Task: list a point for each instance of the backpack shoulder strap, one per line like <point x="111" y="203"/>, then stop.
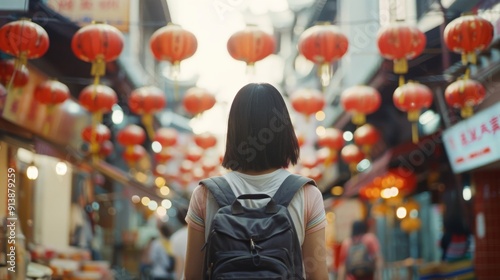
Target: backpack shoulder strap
<point x="289" y="187"/>
<point x="220" y="189"/>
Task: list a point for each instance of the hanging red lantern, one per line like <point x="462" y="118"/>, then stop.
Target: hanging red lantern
<point x="174" y="44"/>
<point x="250" y="45"/>
<point x="307" y="101"/>
<point x="100" y="133"/>
<point x="300" y="138"/>
<point x="96" y="135"/>
<point x="131" y="135"/>
<point x="323" y="44"/>
<point x="98" y="99"/>
<point x="51" y="92"/>
<point x="163" y="156"/>
<point x="309" y="160"/>
<point x="12" y="77"/>
<point x="352" y="155"/>
<point x="325" y="156"/>
<point x="468" y="35"/>
<point x="360" y="100"/>
<point x="166" y="136"/>
<point x="333" y="140"/>
<point x="105" y="149"/>
<point x="145" y="101"/>
<point x="366" y="136"/>
<point x="23" y="39"/>
<point x="465" y="94"/>
<point x="97" y="43"/>
<point x="205" y="140"/>
<point x="197" y="100"/>
<point x="412" y="98"/>
<point x="400" y="42"/>
<point x="134" y="154"/>
<point x="194" y="153"/>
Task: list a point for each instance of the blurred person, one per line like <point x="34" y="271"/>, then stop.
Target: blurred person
<point x="145" y="262"/>
<point x="160" y="254"/>
<point x="360" y="256"/>
<point x="179" y="243"/>
<point x="455" y="242"/>
<point x="261" y="144"/>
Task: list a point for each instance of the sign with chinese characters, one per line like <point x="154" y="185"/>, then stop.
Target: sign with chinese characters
<point x="82" y="12"/>
<point x="474" y="142"/>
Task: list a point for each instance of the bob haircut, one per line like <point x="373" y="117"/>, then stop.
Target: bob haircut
<point x="260" y="134"/>
<point x="359" y="228"/>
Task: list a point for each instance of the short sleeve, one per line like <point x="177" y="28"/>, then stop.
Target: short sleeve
<point x="372" y="243"/>
<point x="196" y="214"/>
<point x="315" y="218"/>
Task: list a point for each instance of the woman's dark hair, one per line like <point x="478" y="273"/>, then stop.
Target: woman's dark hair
<point x="260" y="134"/>
<point x="359" y="228"/>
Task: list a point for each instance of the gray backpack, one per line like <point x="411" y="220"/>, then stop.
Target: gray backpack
<point x="253" y="243"/>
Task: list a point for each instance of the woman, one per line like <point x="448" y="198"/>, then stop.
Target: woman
<point x="360" y="235"/>
<point x="261" y="144"/>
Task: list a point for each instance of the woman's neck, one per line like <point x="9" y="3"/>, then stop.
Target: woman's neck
<point x="260" y="172"/>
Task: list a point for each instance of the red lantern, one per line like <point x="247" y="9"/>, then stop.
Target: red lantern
<point x="97" y="43"/>
<point x="333" y="140"/>
<point x="366" y="136"/>
<point x="197" y="100"/>
<point x="166" y="136"/>
<point x="400" y="42"/>
<point x="98" y="98"/>
<point x="100" y="133"/>
<point x="133" y="155"/>
<point x="468" y="35"/>
<point x="131" y="135"/>
<point x="307" y="101"/>
<point x="194" y="153"/>
<point x="10" y="76"/>
<point x="352" y="155"/>
<point x="51" y="92"/>
<point x="205" y="140"/>
<point x="173" y="44"/>
<point x="300" y="138"/>
<point x="360" y="100"/>
<point x="106" y="148"/>
<point x="24" y="40"/>
<point x="163" y="156"/>
<point x="465" y="94"/>
<point x="323" y="44"/>
<point x="146" y="101"/>
<point x="411" y="98"/>
<point x="250" y="45"/>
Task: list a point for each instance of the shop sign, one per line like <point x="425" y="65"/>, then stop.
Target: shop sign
<point x="474" y="142"/>
<point x="10" y="5"/>
<point x="112" y="12"/>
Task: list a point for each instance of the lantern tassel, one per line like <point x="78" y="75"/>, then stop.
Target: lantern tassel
<point x="358" y="119"/>
<point x="98" y="69"/>
<point x="48" y="119"/>
<point x="331" y="156"/>
<point x="413" y="118"/>
<point x="325" y="74"/>
<point x="176" y="68"/>
<point x="466" y="111"/>
<point x="414" y="132"/>
<point x="400" y="66"/>
<point x="401" y="80"/>
<point x="147" y="119"/>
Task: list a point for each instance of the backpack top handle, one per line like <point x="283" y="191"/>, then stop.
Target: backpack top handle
<point x="237" y="208"/>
